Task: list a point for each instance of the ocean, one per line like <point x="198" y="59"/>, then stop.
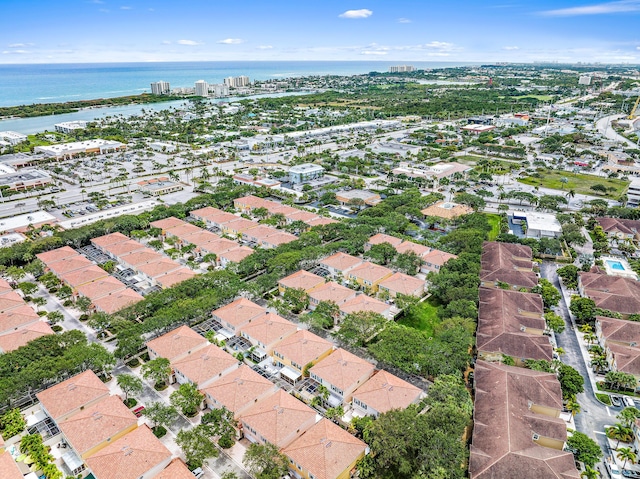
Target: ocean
<point x="56" y="83"/>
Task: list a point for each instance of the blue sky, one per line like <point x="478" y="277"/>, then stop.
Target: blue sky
<point x="66" y="31"/>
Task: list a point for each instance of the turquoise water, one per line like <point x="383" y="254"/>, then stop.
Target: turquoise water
<point x="617" y="265"/>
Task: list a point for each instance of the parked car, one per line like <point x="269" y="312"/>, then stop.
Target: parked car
<point x="632" y="474"/>
<point x="198" y="472"/>
<point x="614" y="472"/>
<point x="615" y="400"/>
<point x="628" y="402"/>
<point x="138" y="411"/>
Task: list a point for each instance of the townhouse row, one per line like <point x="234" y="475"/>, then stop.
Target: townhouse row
<point x="248" y="204"/>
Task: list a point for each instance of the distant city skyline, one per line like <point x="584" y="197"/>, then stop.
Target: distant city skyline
<point x="92" y="31"/>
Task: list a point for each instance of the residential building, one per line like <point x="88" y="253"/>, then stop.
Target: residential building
<point x="112" y="238"/>
<point x="19" y="337"/>
<point x="167" y="223"/>
<point x="434" y="260"/>
<point x="382" y="238"/>
<point x="70" y="127"/>
<point x="633" y="193"/>
<point x="57" y="254"/>
<point x="297" y="351"/>
<point x="341" y="373"/>
<point x="10" y="301"/>
<point x="172" y="278"/>
<point x="156" y="269"/>
<point x="277" y="239"/>
<point x="539" y="225"/>
<point x="305" y="173"/>
<point x="511" y="323"/>
<point x="70" y="150"/>
<point x="137" y="455"/>
<point x="384" y="392"/>
<point x="101" y="287"/>
<point x="213" y="217"/>
<point x="620" y="339"/>
<point x="219" y="90"/>
<point x="446" y="210"/>
<point x="159" y="186"/>
<point x="614" y="293"/>
<point x="160" y="88"/>
<point x="369" y="275"/>
<point x="83" y="276"/>
<point x="508" y="263"/>
<point x="300" y="280"/>
<point x="8" y="467"/>
<point x="330" y="292"/>
<point x="202" y="88"/>
<point x="400" y="283"/>
<point x="14" y="319"/>
<point x="355" y="196"/>
<point x="339" y="264"/>
<point x="267" y="331"/>
<point x="277" y="419"/>
<point x="204" y="366"/>
<point x="401" y="68"/>
<point x="237" y="314"/>
<point x="176" y="344"/>
<point x="237" y="82"/>
<point x="238" y="390"/>
<point x="115" y="302"/>
<point x="13" y="137"/>
<point x="362" y="302"/>
<point x="175" y="470"/>
<point x="234" y="255"/>
<point x="325" y="451"/>
<point x="619" y="228"/>
<point x="518" y="426"/>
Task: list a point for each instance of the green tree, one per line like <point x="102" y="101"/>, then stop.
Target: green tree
<point x="264" y="461"/>
<point x="324" y="315"/>
<point x="569" y="275"/>
<point x="359" y="327"/>
<point x="628" y="416"/>
<point x="584" y="309"/>
<point x="130" y="384"/>
<point x="55" y="317"/>
<point x="12" y="423"/>
<point x="28" y="288"/>
<point x="590" y="473"/>
<point x="554" y="322"/>
<point x="584" y="448"/>
<point x="157" y="370"/>
<point x="298" y="299"/>
<point x="83" y="304"/>
<point x="626" y="454"/>
<point x="571" y="381"/>
<point x="196" y="445"/>
<point x="550" y="294"/>
<point x="620" y="433"/>
<point x="187" y="398"/>
<point x="161" y="414"/>
<point x="382" y="253"/>
<point x="221" y="423"/>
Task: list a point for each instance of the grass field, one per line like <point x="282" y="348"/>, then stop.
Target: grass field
<point x="424" y="316"/>
<point x="580" y="183"/>
<point x="494" y="221"/>
<point x="537" y="97"/>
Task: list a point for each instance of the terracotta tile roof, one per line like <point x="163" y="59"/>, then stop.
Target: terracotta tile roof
<point x="102" y="287"/>
<point x="301" y="280"/>
<point x="240" y="225"/>
<point x="130" y="457"/>
<point x="384" y="392"/>
<point x="82" y="276"/>
<point x="109" y="239"/>
<point x="56" y="255"/>
<point x="300" y="215"/>
<point x="268" y="329"/>
<point x="124" y="248"/>
<point x="325" y="450"/>
<point x="279" y="238"/>
<point x="177" y="342"/>
<point x="204" y="364"/>
<point x="370" y="272"/>
<point x="447" y="210"/>
<point x="205" y="212"/>
<point x="437" y="257"/>
<point x="505" y="422"/>
<point x="253" y="202"/>
<point x="404" y="284"/>
<point x="221" y="218"/>
<point x="158" y="268"/>
<point x="97" y="423"/>
<point x="175" y="277"/>
<point x="117" y="301"/>
<point x="142" y="256"/>
<point x="282" y="209"/>
<point x="261" y="232"/>
<point x="362" y="302"/>
<point x="612" y="292"/>
<point x="279" y="418"/>
<point x="10" y="300"/>
<point x="303" y="347"/>
<point x="627" y="358"/>
<point x="17" y="339"/>
<point x="184" y="230"/>
<point x="384" y="238"/>
<point x="8" y="467"/>
<point x="167" y="223"/>
<point x="239" y="312"/>
<point x="202" y="237"/>
<point x="321" y="221"/>
<point x="240" y="389"/>
<point x="176" y="470"/>
<point x="219" y="246"/>
<point x="72" y="394"/>
<point x="614" y="225"/>
<point x="503" y="319"/>
<point x="5" y="287"/>
<point x="342" y="369"/>
<point x="332" y="291"/>
<point x="235" y="255"/>
<point x="69" y="264"/>
<point x="20" y="316"/>
<point x="510" y="263"/>
<point x="340" y="261"/>
<point x="411" y="247"/>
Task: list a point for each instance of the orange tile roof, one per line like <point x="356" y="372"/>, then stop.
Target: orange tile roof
<point x="126" y="247"/>
<point x="239" y="312"/>
<point x="5" y="287"/>
<point x="341" y="261"/>
<point x="303" y="347"/>
<point x="235" y="255"/>
<point x="17" y="339"/>
<point x="205" y="212"/>
<point x="384" y="238"/>
<point x="404" y="284"/>
<point x="332" y="291"/>
<point x="279" y="418"/>
<point x="176" y="470"/>
<point x="362" y="302"/>
<point x="17" y="317"/>
<point x="342" y="369"/>
<point x="325" y="450"/>
<point x="158" y="268"/>
<point x="411" y="247"/>
<point x="321" y="221"/>
<point x="253" y="202"/>
<point x="97" y="423"/>
<point x="130" y="457"/>
<point x="102" y="287"/>
<point x="301" y="280"/>
<point x="82" y="276"/>
<point x="205" y="364"/>
<point x="69" y="264"/>
<point x="57" y="254"/>
<point x="279" y="238"/>
<point x="300" y="215"/>
<point x="177" y="342"/>
<point x="384" y="392"/>
<point x="175" y="277"/>
<point x="146" y="255"/>
<point x="184" y="230"/>
<point x="201" y="237"/>
<point x="117" y="301"/>
<point x="218" y="246"/>
<point x="447" y="210"/>
<point x="261" y="232"/>
<point x="10" y="300"/>
<point x="72" y="394"/>
<point x="370" y="272"/>
<point x="111" y="238"/>
<point x="239" y="389"/>
<point x="240" y="225"/>
<point x="268" y="328"/>
<point x="8" y="467"/>
<point x="438" y="257"/>
<point x="167" y="223"/>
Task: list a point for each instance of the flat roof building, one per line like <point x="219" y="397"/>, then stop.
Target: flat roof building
<point x="70" y="127"/>
<point x="159" y="186"/>
<point x="12" y="137"/>
<point x="69" y="150"/>
<point x="305" y="172"/>
<point x="25" y="180"/>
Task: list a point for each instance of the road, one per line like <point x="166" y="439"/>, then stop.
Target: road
<point x="603" y="125"/>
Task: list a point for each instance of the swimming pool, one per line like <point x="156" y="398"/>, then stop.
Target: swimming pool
<point x="617" y="265"/>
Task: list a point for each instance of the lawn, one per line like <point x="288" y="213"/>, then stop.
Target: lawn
<point x="579" y="183"/>
<point x="537" y="97"/>
<point x="424" y="316"/>
<point x="494" y="221"/>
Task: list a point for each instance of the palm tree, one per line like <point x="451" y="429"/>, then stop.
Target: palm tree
<point x="586" y="328"/>
<point x="573" y="407"/>
<point x="627" y="455"/>
<point x="571" y="193"/>
<point x="590" y="473"/>
<point x="590" y="338"/>
<point x="618" y="432"/>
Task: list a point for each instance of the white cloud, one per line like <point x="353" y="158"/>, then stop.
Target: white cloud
<point x="15" y="52"/>
<point x="439" y="45"/>
<point x="373" y="52"/>
<point x="188" y="42"/>
<point x="362" y="13"/>
<point x="125" y="7"/>
<point x="404" y="20"/>
<point x="265" y="47"/>
<point x="20" y="45"/>
<point x="231" y="41"/>
<point x="598" y="9"/>
<point x="511" y="48"/>
<point x="166" y="42"/>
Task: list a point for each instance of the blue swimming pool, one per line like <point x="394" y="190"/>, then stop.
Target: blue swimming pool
<point x="617" y="265"/>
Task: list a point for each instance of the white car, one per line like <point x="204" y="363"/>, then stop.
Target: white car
<point x="614" y="472"/>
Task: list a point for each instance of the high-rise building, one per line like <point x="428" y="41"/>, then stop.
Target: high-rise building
<point x="160" y="88"/>
<point x="584" y="80"/>
<point x="202" y="88"/>
<point x="219" y="89"/>
<point x="401" y="69"/>
<point x="237" y="82"/>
